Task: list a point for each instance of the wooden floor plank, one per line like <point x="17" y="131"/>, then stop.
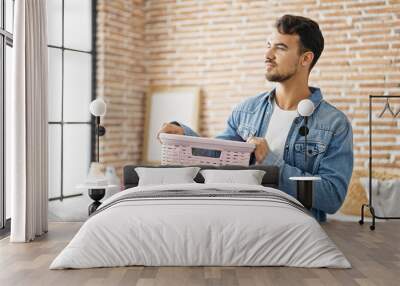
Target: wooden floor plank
<point x="375" y="258"/>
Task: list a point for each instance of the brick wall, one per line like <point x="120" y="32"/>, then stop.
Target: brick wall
<point x="219" y="46"/>
<point x="121" y="79"/>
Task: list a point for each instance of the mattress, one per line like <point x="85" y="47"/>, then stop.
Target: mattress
<point x="201" y="225"/>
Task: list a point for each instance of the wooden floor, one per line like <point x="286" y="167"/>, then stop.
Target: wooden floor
<point x="375" y="257"/>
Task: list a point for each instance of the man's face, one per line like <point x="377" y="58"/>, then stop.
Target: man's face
<point x="282" y="57"/>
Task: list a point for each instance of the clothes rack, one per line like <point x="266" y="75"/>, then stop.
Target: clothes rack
<point x="394" y="115"/>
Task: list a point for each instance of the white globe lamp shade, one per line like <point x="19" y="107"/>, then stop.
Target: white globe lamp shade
<point x="98" y="107"/>
<point x="305" y="107"/>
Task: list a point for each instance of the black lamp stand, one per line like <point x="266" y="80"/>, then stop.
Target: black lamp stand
<point x="97" y="194"/>
<point x="305" y="184"/>
<point x="305" y="192"/>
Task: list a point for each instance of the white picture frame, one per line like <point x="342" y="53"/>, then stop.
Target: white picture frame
<point x="166" y="104"/>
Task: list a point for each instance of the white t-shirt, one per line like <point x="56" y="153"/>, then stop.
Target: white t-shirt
<point x="278" y="128"/>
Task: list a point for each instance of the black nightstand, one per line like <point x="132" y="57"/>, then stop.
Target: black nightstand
<point x="305" y="189"/>
<point x="96" y="193"/>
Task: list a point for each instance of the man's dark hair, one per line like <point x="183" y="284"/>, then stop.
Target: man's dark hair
<point x="310" y="35"/>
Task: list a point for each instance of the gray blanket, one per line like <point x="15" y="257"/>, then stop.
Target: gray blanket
<point x="207" y="194"/>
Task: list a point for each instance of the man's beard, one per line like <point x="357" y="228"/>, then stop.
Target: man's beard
<point x="280" y="77"/>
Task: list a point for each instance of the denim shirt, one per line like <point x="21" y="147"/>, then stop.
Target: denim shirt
<point x="329" y="147"/>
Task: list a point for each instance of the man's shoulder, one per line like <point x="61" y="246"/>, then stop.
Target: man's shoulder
<point x="253" y="103"/>
<point x="330" y="115"/>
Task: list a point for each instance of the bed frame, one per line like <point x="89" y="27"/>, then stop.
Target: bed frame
<point x="270" y="179"/>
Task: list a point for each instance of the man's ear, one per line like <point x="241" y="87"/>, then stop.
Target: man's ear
<point x="307" y="58"/>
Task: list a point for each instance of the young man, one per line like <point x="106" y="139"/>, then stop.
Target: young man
<point x="270" y="120"/>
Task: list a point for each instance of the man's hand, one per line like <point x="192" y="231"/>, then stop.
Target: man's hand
<point x="171" y="129"/>
<point x="262" y="148"/>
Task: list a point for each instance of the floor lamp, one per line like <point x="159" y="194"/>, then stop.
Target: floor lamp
<point x="305" y="109"/>
<point x="97" y="108"/>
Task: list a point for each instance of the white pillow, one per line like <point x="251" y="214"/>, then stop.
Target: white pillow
<point x="248" y="177"/>
<point x="164" y="176"/>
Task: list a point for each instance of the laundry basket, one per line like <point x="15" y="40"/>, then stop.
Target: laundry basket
<point x="189" y="150"/>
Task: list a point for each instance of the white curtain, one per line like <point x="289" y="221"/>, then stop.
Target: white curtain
<point x="26" y="123"/>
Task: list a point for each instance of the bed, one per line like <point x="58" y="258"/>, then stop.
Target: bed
<point x="197" y="224"/>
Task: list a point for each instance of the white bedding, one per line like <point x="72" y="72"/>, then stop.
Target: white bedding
<point x="226" y="231"/>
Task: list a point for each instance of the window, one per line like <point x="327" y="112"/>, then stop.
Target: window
<point x="6" y="44"/>
<point x="71" y="48"/>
